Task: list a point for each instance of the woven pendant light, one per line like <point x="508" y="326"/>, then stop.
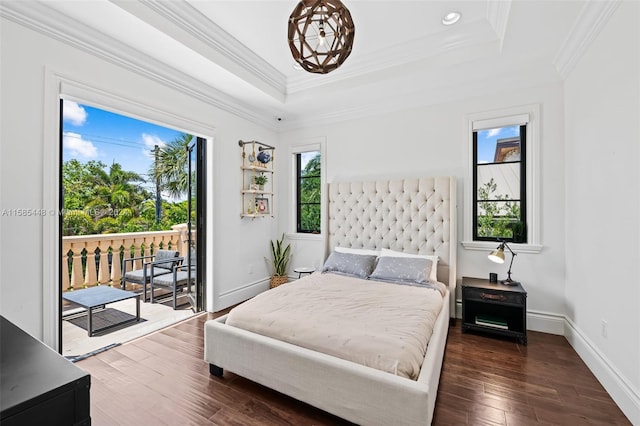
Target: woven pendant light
<point x="321" y="34"/>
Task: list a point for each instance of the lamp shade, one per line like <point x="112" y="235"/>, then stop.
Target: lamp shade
<point x="497" y="255"/>
<point x="320" y="34"/>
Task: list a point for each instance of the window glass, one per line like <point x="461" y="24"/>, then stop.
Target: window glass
<point x="499" y="184"/>
<point x="308" y="190"/>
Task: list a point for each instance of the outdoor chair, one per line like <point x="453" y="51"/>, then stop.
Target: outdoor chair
<point x="160" y="263"/>
<point x="175" y="281"/>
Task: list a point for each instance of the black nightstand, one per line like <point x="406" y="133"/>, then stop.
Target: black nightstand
<point x="494" y="308"/>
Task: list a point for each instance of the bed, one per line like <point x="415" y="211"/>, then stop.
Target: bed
<point x="405" y="215"/>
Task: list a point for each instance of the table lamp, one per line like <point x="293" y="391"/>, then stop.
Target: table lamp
<point x="497" y="256"/>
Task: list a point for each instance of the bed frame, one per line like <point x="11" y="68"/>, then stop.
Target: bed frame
<point x="411" y="215"/>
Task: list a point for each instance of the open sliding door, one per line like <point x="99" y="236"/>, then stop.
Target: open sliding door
<point x="195" y="222"/>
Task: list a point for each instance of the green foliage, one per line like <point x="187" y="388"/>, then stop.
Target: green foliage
<point x="496" y="218"/>
<point x="136" y="224"/>
<point x="101" y="199"/>
<point x="260" y="179"/>
<point x="125" y="215"/>
<point x="107" y="225"/>
<point x="170" y="168"/>
<point x="280" y="257"/>
<point x="310" y="196"/>
<point x="77" y="222"/>
<point x="176" y="212"/>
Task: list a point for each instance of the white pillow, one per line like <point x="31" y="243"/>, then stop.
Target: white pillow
<point x="362" y="252"/>
<point x="433" y="276"/>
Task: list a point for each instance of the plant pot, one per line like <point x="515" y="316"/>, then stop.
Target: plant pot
<point x="277" y="280"/>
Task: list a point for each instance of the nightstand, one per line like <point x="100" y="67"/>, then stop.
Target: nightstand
<point x="494" y="308"/>
<point x="302" y="270"/>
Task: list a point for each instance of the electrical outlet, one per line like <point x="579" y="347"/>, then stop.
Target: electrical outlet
<point x="250" y="269"/>
<point x="604" y="329"/>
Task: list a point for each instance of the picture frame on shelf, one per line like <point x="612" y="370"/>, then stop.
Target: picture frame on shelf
<point x="262" y="205"/>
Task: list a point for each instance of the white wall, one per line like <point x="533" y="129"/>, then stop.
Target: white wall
<point x="434" y="141"/>
<point x="603" y="207"/>
<point x="27" y="58"/>
<point x="587" y="270"/>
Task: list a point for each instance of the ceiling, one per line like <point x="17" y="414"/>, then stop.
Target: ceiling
<point x="235" y="53"/>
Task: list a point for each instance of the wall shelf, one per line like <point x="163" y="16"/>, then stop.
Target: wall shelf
<point x="256" y="191"/>
<point x="257" y="161"/>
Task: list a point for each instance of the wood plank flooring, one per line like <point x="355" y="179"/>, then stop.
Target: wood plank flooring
<point x="162" y="379"/>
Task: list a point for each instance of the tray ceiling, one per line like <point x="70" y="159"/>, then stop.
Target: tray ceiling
<point x="403" y="55"/>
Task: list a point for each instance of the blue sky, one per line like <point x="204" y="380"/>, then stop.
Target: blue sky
<point x="487" y="141"/>
<point x="94" y="134"/>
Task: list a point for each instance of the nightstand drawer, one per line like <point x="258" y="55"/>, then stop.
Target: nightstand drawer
<point x="485" y="295"/>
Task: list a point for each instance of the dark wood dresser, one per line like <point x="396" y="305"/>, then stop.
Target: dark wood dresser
<point x="38" y="386"/>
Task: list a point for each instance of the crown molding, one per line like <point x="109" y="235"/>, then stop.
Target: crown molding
<point x="472" y="35"/>
<point x="591" y="20"/>
<point x="179" y="18"/>
<point x="48" y="21"/>
<point x="498" y="17"/>
<point x="513" y="77"/>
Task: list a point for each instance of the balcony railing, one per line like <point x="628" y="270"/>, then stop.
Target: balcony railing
<point x="89" y="260"/>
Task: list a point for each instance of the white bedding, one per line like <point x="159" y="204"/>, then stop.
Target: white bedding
<point x="380" y="325"/>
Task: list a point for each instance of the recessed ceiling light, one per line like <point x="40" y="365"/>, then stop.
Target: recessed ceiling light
<point x="451" y="18"/>
<point x="296" y="66"/>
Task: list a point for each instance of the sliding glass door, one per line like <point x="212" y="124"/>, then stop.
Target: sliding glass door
<point x="195" y="223"/>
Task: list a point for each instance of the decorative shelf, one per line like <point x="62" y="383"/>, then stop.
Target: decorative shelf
<point x="257" y="162"/>
<point x="256" y="191"/>
<point x="257" y="169"/>
<point x="255" y="215"/>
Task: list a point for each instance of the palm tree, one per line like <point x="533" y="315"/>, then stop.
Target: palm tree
<point x="116" y="191"/>
<point x="170" y="168"/>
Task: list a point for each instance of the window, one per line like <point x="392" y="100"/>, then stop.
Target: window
<point x="500" y="184"/>
<point x="308" y="191"/>
<point x="500" y="179"/>
<point x="497" y="209"/>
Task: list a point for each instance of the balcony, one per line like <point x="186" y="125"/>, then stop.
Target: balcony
<point x="91" y="260"/>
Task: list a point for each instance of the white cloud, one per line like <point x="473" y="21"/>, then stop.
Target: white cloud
<point x="73" y="113"/>
<point x="78" y="147"/>
<point x="150" y="141"/>
<point x="493" y="132"/>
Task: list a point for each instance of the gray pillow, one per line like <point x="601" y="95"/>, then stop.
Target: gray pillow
<point x="402" y="270"/>
<point x="355" y="265"/>
<point x="166" y="254"/>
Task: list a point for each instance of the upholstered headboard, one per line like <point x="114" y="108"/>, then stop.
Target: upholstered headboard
<point x="410" y="215"/>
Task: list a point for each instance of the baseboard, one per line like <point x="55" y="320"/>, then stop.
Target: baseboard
<point x="240" y="294"/>
<point x="543" y="322"/>
<point x="622" y="392"/>
<point x="458" y="309"/>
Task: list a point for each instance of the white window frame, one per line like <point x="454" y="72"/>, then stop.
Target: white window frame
<point x="315" y="144"/>
<point x="501" y="118"/>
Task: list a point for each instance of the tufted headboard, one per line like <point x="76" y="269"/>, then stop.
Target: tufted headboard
<point x="410" y="215"/>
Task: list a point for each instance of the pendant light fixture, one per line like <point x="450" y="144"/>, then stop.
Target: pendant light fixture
<point x="321" y="34"/>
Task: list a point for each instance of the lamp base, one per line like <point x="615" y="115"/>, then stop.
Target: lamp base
<point x="509" y="282"/>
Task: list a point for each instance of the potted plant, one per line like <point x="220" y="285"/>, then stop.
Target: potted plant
<point x="260" y="180"/>
<point x="518" y="230"/>
<point x="280" y="256"/>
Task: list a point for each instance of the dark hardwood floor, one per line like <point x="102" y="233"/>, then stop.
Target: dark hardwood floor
<point x="162" y="379"/>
